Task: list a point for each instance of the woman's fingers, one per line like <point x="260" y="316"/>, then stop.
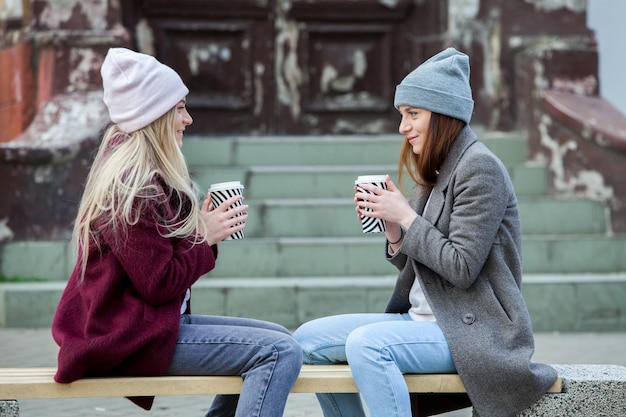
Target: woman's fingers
<point x="226" y="219"/>
<point x="390" y="184"/>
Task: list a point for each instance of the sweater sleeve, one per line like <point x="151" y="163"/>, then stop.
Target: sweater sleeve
<point x="161" y="268"/>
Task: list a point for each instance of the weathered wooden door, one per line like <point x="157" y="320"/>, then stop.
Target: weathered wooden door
<point x="282" y="66"/>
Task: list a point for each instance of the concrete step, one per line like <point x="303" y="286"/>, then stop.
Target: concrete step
<point x="215" y="151"/>
<point x="336" y="217"/>
<point x="335" y="181"/>
<point x="326" y="166"/>
<point x="284" y="257"/>
<point x="305" y="256"/>
<point x="331" y="256"/>
<point x="557" y="302"/>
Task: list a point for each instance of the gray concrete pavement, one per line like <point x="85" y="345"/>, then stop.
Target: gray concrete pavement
<point x="35" y="347"/>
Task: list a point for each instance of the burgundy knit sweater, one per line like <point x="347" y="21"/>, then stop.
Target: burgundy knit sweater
<point x="123" y="318"/>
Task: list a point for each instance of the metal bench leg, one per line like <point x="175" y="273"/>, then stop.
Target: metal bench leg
<point x="423" y="405"/>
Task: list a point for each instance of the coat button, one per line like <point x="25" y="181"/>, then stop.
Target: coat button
<point x="469" y="318"/>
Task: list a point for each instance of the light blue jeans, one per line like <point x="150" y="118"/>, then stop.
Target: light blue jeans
<point x="380" y="348"/>
<point x="263" y="353"/>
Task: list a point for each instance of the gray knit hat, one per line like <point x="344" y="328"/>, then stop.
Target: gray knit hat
<point x="441" y="85"/>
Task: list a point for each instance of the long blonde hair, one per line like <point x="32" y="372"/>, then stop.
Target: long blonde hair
<point x="125" y="177"/>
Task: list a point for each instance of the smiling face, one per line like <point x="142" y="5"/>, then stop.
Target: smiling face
<point x="414" y="126"/>
<point x="181" y="121"/>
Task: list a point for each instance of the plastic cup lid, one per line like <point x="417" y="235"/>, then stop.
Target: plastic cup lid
<point x="370" y="178"/>
<point x="225" y="185"/>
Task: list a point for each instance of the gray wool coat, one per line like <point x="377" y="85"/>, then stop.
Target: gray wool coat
<point x="466" y="251"/>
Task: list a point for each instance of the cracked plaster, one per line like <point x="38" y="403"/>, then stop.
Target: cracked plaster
<point x="578" y="6"/>
<point x="57" y="12"/>
<point x="289" y="75"/>
<point x="584" y="183"/>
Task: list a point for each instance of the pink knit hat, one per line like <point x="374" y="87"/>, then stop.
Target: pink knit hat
<point x="138" y="89"/>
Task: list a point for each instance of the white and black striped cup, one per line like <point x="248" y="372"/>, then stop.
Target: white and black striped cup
<point x="221" y="192"/>
<point x="370" y="224"/>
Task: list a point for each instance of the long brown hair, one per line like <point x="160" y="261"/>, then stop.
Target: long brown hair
<point x="424" y="168"/>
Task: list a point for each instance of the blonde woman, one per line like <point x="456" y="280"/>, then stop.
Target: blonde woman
<point x="143" y="239"/>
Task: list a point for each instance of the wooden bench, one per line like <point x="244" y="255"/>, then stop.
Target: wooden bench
<point x="37" y="383"/>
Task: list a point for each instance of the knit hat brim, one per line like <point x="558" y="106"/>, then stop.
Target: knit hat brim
<point x="436" y="101"/>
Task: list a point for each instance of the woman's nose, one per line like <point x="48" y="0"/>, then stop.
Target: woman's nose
<point x="188" y="120"/>
<point x="404" y="127"/>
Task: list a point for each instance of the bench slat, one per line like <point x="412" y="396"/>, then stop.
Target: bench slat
<point x="32" y="383"/>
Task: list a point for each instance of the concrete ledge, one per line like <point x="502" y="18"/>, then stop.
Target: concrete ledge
<point x="588" y="391"/>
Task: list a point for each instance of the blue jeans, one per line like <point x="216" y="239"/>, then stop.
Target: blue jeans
<point x="263" y="353"/>
<point x="380" y="348"/>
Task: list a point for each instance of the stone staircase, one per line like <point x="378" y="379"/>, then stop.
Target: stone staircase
<point x="304" y="254"/>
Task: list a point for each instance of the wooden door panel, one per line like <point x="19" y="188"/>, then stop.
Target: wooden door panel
<point x="211" y="60"/>
<point x="223" y="51"/>
<point x="282" y="66"/>
<point x="345" y="56"/>
<point x="348" y="70"/>
<point x="224" y="70"/>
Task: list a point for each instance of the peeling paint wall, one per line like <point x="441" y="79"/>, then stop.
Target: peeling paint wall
<point x="84" y="61"/>
<point x="578" y="6"/>
<point x="43" y="169"/>
<point x="293" y="65"/>
<point x="587" y="183"/>
<point x="288" y="73"/>
<point x="259" y="90"/>
<point x="495" y="32"/>
<point x="295" y="85"/>
<point x="467" y="29"/>
<point x="460" y="15"/>
<point x="10" y="9"/>
<point x="210" y="53"/>
<point x="57" y="14"/>
<point x="145" y="37"/>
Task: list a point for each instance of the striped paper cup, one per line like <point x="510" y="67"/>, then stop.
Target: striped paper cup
<point x="221" y="192"/>
<point x="370" y="224"/>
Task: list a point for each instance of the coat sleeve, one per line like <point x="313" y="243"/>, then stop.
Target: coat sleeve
<point x="472" y="212"/>
<point x="397" y="259"/>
